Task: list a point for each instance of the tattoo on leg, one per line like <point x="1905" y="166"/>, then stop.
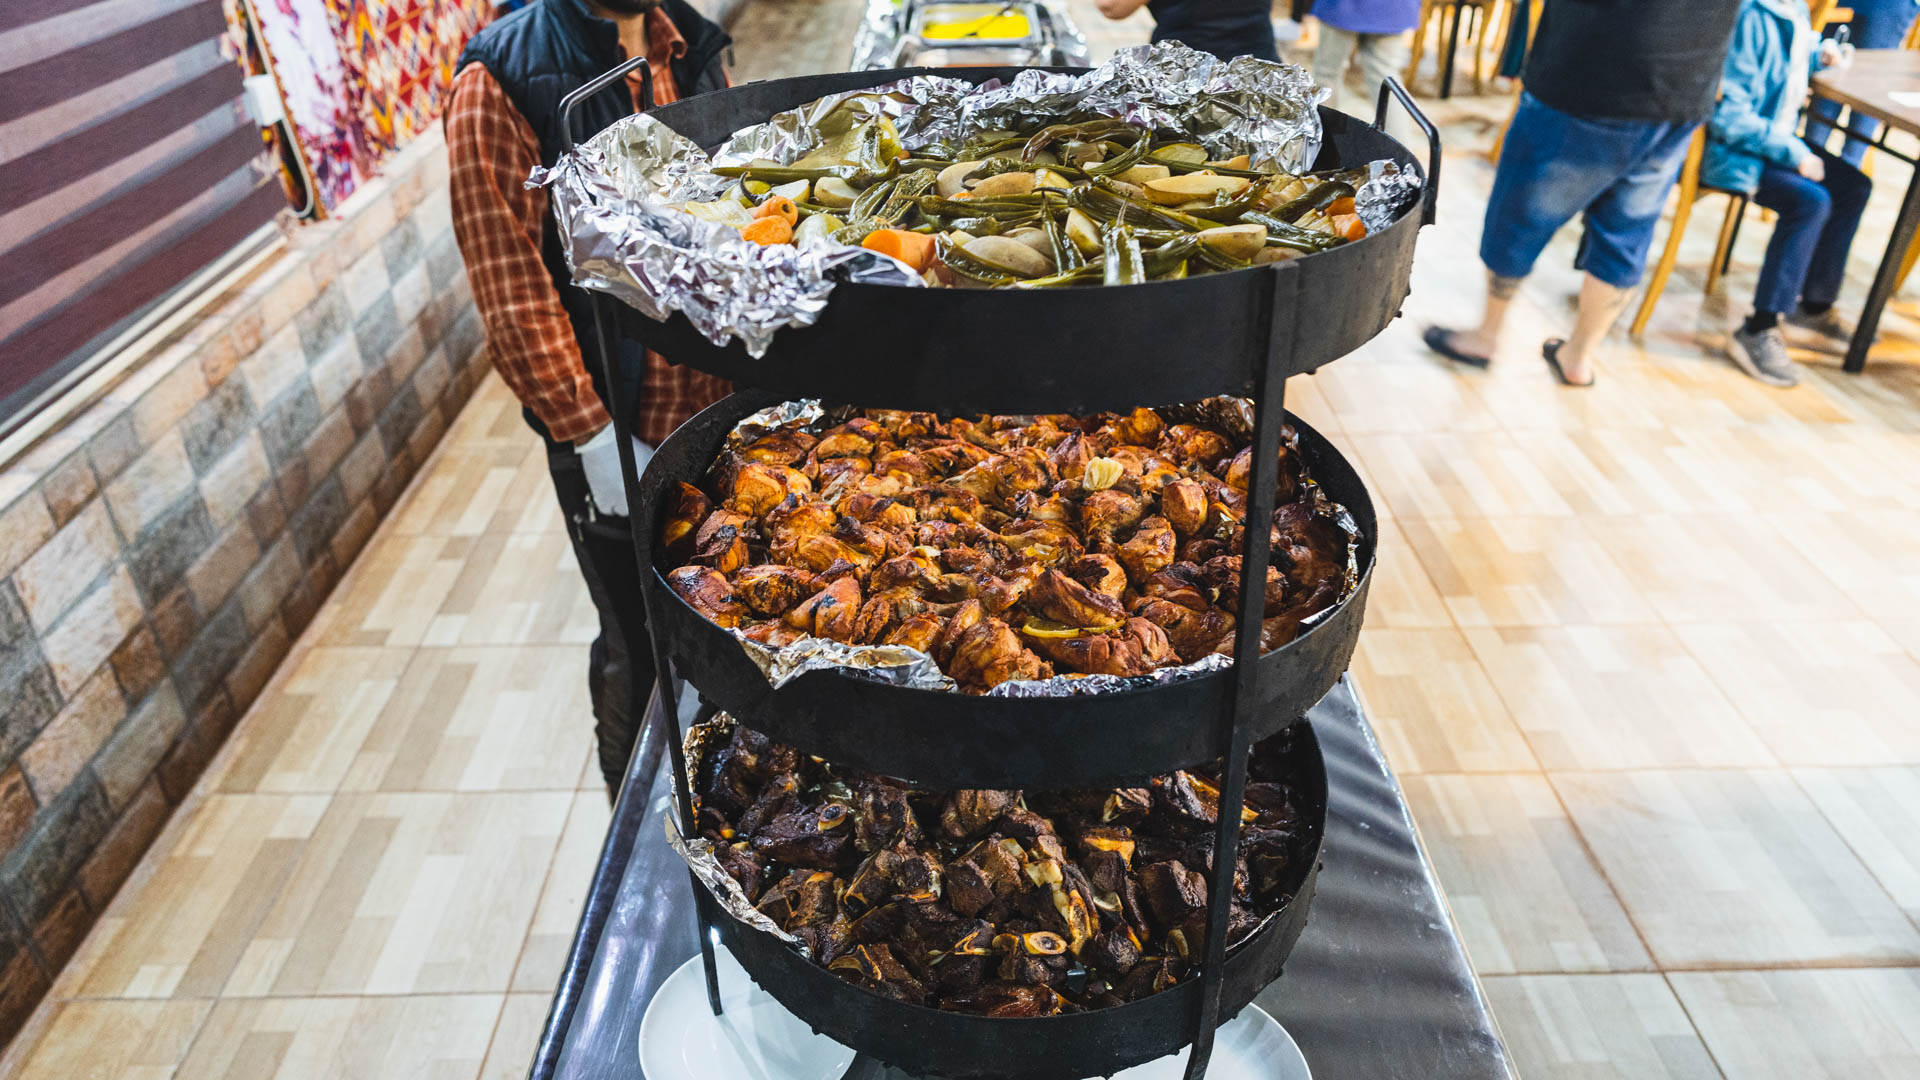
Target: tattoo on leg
<point x="1503" y="288"/>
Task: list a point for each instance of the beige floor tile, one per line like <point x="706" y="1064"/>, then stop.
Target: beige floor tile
<point x="1707" y="567"/>
<point x="442" y="1037"/>
<point x="1623" y="471"/>
<point x="1307" y="401"/>
<point x="1872" y="554"/>
<point x="181" y="930"/>
<point x="1613" y="697"/>
<point x="1734" y="868"/>
<point x="481" y="489"/>
<point x="114" y="1040"/>
<point x="516" y="1037"/>
<point x="1370" y="396"/>
<point x="1524" y="572"/>
<point x="491" y="589"/>
<point x="1401" y="596"/>
<point x="1877" y="812"/>
<point x="1457" y="475"/>
<point x="1597" y="1027"/>
<point x="1432" y="705"/>
<point x="1519" y="881"/>
<point x="303" y="735"/>
<point x="1808" y="1025"/>
<point x="481" y="719"/>
<point x="1819" y="693"/>
<point x="558" y="914"/>
<point x="408" y="894"/>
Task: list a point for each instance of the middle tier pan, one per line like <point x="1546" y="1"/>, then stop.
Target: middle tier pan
<point x="959" y="740"/>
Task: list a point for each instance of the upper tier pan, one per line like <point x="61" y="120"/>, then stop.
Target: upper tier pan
<point x="962" y="741"/>
<point x="1081" y="349"/>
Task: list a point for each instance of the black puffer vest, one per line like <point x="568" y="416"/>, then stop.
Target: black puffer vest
<point x="539" y="55"/>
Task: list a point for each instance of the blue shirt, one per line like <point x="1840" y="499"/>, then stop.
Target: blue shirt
<point x="1369" y="16"/>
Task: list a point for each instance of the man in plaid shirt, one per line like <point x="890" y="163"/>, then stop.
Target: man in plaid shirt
<point x="503" y="120"/>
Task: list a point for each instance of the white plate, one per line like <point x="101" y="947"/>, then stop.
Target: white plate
<point x="755" y="1038"/>
<point x="758" y="1039"/>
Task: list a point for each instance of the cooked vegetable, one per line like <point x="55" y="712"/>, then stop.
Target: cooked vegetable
<point x="914" y="249"/>
<point x="781" y="207"/>
<point x="834" y="192"/>
<point x="772" y="229"/>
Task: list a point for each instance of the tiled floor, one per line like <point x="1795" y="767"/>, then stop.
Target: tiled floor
<point x="1647" y="657"/>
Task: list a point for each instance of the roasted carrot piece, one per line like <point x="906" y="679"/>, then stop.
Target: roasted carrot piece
<point x="914" y="249"/>
<point x="778" y="206"/>
<point x="1343" y="205"/>
<point x="1348" y="226"/>
<point x="769" y="230"/>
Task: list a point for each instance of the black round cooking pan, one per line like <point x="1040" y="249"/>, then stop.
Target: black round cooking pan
<point x="1055" y="350"/>
<point x="923" y="1041"/>
<point x="963" y="741"/>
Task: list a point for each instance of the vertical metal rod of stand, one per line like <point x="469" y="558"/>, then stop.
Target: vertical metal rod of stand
<point x="1237" y="724"/>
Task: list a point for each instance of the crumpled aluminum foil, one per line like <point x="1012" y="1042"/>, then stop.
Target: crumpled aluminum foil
<point x="877" y="41"/>
<point x="911" y="668"/>
<point x="698" y="852"/>
<point x="611" y="195"/>
<point x="1389" y="189"/>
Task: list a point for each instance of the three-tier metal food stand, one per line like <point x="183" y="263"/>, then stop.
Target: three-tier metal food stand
<point x="1005" y="350"/>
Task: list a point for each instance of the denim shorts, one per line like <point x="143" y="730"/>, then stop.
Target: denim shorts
<point x="1555" y="165"/>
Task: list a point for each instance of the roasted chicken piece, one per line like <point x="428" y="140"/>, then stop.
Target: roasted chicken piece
<point x="1104" y="514"/>
<point x="1184" y="504"/>
<point x="945" y="502"/>
<point x="1066" y="601"/>
<point x="831" y="613"/>
<point x="1101" y="573"/>
<point x="787" y="446"/>
<point x="1149" y="551"/>
<point x="881" y="512"/>
<point x="1239" y="471"/>
<point x="917" y="632"/>
<point x="990" y="654"/>
<point x="771" y="589"/>
<point x="1141" y="427"/>
<point x="708" y="592"/>
<point x="687" y="508"/>
<point x="1222" y="574"/>
<point x="721" y="541"/>
<point x="968" y="615"/>
<point x="1191" y="444"/>
<point x="1095" y="654"/>
<point x="757" y="487"/>
<point x="1193" y="633"/>
<point x="1069" y="456"/>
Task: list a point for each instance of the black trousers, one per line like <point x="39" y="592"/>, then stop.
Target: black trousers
<point x="620" y="667"/>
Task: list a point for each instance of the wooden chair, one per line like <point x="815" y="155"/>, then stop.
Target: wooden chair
<point x="1691" y="191"/>
<point x="1485" y="14"/>
<point x="1533" y="24"/>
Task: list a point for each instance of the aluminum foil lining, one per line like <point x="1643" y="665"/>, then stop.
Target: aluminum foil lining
<point x="879" y="40"/>
<point x="1388" y="190"/>
<point x="611" y="195"/>
<point x="913" y="669"/>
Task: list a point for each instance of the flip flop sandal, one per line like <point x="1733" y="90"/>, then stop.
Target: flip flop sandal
<point x="1439" y="340"/>
<point x="1551" y="352"/>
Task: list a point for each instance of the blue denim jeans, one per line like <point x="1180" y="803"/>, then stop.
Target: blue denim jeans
<point x="1876" y="24"/>
<point x="1555" y="165"/>
<point x="1807" y="256"/>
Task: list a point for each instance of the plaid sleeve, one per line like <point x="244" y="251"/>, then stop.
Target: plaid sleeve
<point x="498" y="223"/>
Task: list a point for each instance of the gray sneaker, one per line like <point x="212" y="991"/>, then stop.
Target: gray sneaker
<point x="1764" y="356"/>
<point x="1827" y="324"/>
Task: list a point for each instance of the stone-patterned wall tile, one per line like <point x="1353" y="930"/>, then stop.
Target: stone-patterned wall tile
<point x="268" y="583"/>
<point x="17" y="806"/>
<point x="304" y="599"/>
<point x="366" y="281"/>
<point x="231" y="485"/>
<point x="377" y="328"/>
<point x="411" y="292"/>
<point x="289" y="421"/>
<point x="215" y="424"/>
<point x="426" y="434"/>
<point x="211" y="580"/>
<point x="63" y="835"/>
<point x="87" y="636"/>
<point x="190" y="753"/>
<point x="160" y="408"/>
<point x="323" y="321"/>
<point x="409" y="348"/>
<point x="443" y="261"/>
<point x="402" y="415"/>
<point x="174" y="622"/>
<point x="137" y="663"/>
<point x="353" y="534"/>
<point x="160" y="558"/>
<point x="108" y="868"/>
<point x="361" y="466"/>
<point x="315" y="523"/>
<point x="466" y="335"/>
<point x="136" y="747"/>
<point x="21" y="979"/>
<point x="66" y="566"/>
<point x="239" y="340"/>
<point x="431" y="379"/>
<point x="267" y="515"/>
<point x="290" y="290"/>
<point x="68" y="486"/>
<point x="330" y="440"/>
<point x="151" y="485"/>
<point x="59" y="931"/>
<point x="257" y="664"/>
<point x="201" y="669"/>
<point x="24" y="526"/>
<point x="400" y="248"/>
<point x="29" y="698"/>
<point x="114" y="446"/>
<point x="434" y="215"/>
<point x="270" y="371"/>
<point x="70" y="740"/>
<point x="335" y="373"/>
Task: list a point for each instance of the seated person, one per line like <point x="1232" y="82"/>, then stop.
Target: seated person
<point x="1225" y="28"/>
<point x="1752" y="147"/>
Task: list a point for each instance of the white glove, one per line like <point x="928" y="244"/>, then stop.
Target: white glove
<point x="600" y="459"/>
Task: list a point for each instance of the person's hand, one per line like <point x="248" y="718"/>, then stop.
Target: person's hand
<point x="1813" y="168"/>
<point x="1835" y="53"/>
<point x="600" y="460"/>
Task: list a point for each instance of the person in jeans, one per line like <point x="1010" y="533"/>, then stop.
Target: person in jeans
<point x="1225" y="28"/>
<point x="1614" y="91"/>
<point x="1876" y="24"/>
<point x="502" y="119"/>
<point x="1376" y="29"/>
<point x="1752" y="147"/>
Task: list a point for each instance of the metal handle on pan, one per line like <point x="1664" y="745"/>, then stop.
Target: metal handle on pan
<point x="1429" y="198"/>
<point x="594" y="86"/>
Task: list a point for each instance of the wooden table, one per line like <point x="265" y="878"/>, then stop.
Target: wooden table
<point x="1866" y="87"/>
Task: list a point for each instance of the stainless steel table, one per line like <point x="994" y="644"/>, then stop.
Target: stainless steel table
<point x="1378" y="986"/>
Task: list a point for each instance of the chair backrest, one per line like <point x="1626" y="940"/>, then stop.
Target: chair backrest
<point x="1690" y="168"/>
<point x="1822" y="12"/>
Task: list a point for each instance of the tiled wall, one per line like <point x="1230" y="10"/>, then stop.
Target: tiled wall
<point x="159" y="553"/>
